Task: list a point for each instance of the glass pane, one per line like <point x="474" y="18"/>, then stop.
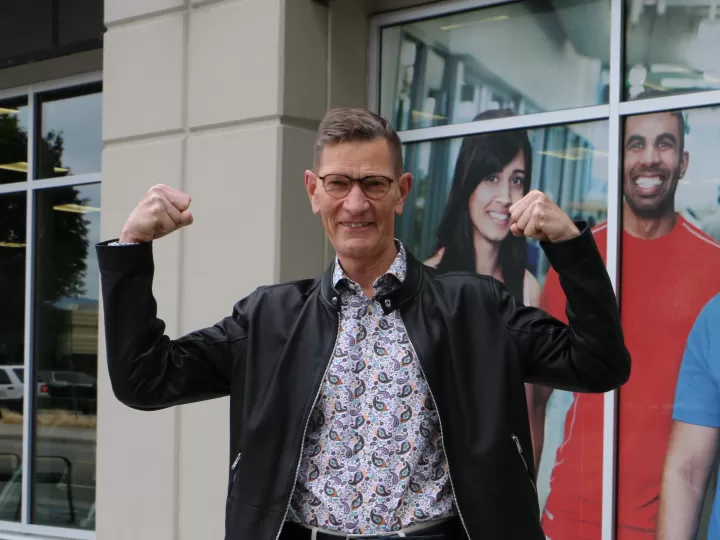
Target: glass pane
<point x="72" y="135"/>
<point x="526" y="57"/>
<point x="670" y="270"/>
<point x="13" y="141"/>
<point x="65" y="352"/>
<point x="13" y="208"/>
<point x="671" y="48"/>
<point x="457" y="219"/>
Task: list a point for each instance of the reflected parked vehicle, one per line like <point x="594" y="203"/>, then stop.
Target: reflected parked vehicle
<point x="68" y="390"/>
<point x="12" y="388"/>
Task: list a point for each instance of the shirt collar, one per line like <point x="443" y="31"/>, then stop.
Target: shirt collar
<point x="388" y="281"/>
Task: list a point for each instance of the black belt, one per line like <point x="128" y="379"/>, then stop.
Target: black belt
<point x="446" y="530"/>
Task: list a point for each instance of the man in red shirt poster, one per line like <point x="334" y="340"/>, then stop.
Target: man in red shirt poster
<point x="670" y="270"/>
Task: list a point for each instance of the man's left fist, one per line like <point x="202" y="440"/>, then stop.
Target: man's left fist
<point x="536" y="216"/>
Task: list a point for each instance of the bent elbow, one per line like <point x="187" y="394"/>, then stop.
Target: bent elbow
<point x="616" y="374"/>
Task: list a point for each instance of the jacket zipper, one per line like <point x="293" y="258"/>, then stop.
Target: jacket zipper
<point x="235" y="463"/>
<point x="522" y="456"/>
<point x="452" y="486"/>
<point x="302" y="440"/>
<point x="234" y="472"/>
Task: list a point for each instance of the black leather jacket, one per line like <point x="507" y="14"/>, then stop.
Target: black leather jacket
<point x="475" y="344"/>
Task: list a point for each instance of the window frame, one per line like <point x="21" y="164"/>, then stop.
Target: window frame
<point x="11" y="530"/>
<point x="613" y="112"/>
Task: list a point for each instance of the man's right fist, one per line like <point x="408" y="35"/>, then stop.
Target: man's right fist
<point x="161" y="211"/>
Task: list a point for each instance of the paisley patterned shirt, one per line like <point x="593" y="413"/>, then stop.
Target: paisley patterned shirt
<point x="372" y="460"/>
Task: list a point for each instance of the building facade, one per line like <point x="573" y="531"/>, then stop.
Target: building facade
<point x="611" y="107"/>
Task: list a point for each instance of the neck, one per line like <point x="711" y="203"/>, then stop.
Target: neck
<point x="648" y="228"/>
<point x="487" y="256"/>
<point x="364" y="272"/>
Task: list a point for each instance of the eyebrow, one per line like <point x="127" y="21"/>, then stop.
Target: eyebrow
<point x="639" y="138"/>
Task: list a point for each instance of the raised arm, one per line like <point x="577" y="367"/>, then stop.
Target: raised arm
<point x="589" y="353"/>
<point x="147" y="369"/>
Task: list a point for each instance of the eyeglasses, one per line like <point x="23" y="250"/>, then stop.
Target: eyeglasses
<point x="338" y="185"/>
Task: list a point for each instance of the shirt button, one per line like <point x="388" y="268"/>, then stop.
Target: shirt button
<point x="387" y="302"/>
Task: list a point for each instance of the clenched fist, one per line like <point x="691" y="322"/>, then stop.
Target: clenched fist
<point x="536" y="216"/>
<point x="161" y="211"/>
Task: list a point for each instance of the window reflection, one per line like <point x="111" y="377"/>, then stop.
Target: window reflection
<point x="671" y="48"/>
<point x="72" y="134"/>
<point x="525" y="57"/>
<point x="65" y="353"/>
<point x="13" y="208"/>
<point x="13" y="141"/>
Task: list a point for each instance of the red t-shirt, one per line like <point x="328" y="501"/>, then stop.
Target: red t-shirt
<point x="664" y="284"/>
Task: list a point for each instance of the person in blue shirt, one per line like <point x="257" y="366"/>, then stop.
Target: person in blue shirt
<point x="695" y="435"/>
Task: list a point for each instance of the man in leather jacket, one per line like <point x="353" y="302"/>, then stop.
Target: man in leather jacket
<point x="381" y="399"/>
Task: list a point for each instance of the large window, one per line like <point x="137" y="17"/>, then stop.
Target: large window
<point x="50" y="147"/>
<point x="612" y="108"/>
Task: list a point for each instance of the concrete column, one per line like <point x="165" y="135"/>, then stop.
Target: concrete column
<point x="220" y="99"/>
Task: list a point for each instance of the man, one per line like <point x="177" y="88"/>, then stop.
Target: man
<point x="695" y="433"/>
<point x="379" y="398"/>
<point x="670" y="269"/>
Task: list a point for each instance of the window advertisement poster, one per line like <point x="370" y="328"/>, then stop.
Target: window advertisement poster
<point x="457" y="218"/>
<point x="669" y="270"/>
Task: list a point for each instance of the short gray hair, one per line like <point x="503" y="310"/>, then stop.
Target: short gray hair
<point x="355" y="124"/>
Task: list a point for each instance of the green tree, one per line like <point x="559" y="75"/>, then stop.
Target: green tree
<point x="61" y="243"/>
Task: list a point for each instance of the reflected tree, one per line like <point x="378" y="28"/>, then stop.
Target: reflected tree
<point x="60" y="250"/>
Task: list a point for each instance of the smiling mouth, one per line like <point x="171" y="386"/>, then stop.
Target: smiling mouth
<point x="648" y="185"/>
<point x="501" y="218"/>
<point x="357" y="225"/>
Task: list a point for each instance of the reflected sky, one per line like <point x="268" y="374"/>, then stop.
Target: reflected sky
<point x="80" y="120"/>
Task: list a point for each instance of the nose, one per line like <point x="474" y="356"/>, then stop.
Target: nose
<point x="502" y="191"/>
<point x="355" y="201"/>
<point x="650" y="155"/>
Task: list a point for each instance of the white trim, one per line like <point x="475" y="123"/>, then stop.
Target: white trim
<point x="434" y="10"/>
<point x="17" y="531"/>
<point x="68" y="82"/>
<point x="63" y="181"/>
<point x="28" y="393"/>
<point x="15" y="187"/>
<point x="681" y="101"/>
<point x="13" y="93"/>
<point x="29" y="379"/>
<point x="55" y="84"/>
<point x="614" y="232"/>
<point x="568" y="116"/>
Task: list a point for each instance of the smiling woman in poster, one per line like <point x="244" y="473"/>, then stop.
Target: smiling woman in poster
<point x="493" y="171"/>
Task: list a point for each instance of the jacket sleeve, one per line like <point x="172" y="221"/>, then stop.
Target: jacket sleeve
<point x="148" y="370"/>
<point x="586" y="355"/>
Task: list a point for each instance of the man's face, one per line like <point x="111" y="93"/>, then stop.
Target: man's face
<point x="653" y="164"/>
<point x="358" y="226"/>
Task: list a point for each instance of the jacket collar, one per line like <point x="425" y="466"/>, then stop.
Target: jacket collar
<point x="390" y="298"/>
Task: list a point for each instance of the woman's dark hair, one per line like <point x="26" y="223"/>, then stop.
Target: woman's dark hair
<point x="481" y="155"/>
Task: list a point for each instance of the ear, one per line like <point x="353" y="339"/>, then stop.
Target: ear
<point x="404" y="185"/>
<point x="684" y="161"/>
<point x="311" y="181"/>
